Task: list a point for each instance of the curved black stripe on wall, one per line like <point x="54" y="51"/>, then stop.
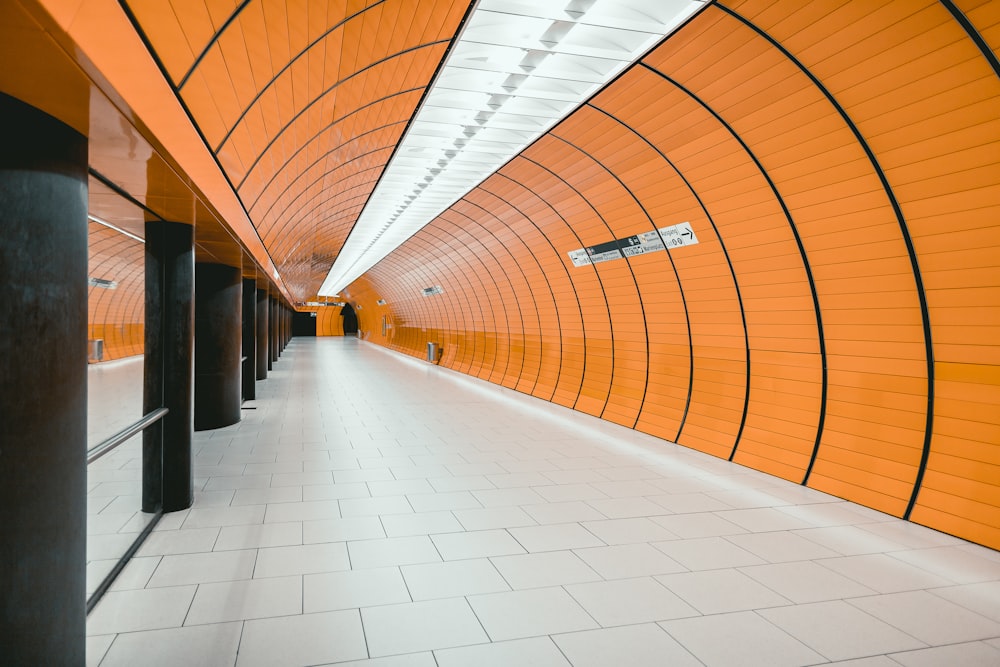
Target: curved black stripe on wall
<point x="729" y="262"/>
<point x="210" y="44"/>
<point x="305" y="144"/>
<point x="673" y="266"/>
<point x="524" y="277"/>
<point x="635" y="281"/>
<point x="974" y="35"/>
<point x="569" y="277"/>
<point x="611" y="321"/>
<point x="795" y="233"/>
<point x="604" y="294"/>
<point x="910" y="250"/>
<point x="291" y="62"/>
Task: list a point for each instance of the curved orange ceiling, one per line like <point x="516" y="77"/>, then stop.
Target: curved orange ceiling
<point x="301" y="104"/>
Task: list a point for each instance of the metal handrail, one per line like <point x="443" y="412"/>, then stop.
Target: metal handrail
<point x="123" y="435"/>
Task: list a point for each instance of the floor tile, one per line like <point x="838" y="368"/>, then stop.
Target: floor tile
<point x="720" y="591"/>
<point x="568" y="492"/>
<point x="634" y="645"/>
<point x="699" y="524"/>
<point x="780" y="547"/>
<point x="355" y="507"/>
<point x="432" y="581"/>
<point x="749" y="641"/>
<point x="533" y="652"/>
<point x="984" y="598"/>
<point x="806" y="581"/>
<point x="392" y="551"/>
<point x="628" y="531"/>
<point x="436" y="502"/>
<point x="240" y="600"/>
<point x="626" y="508"/>
<point x="424" y="659"/>
<point x="342" y="530"/>
<point x="136" y="573"/>
<point x="540" y="570"/>
<point x="629" y="560"/>
<point x="97" y="648"/>
<point x="910" y="535"/>
<point x="421" y="626"/>
<point x="476" y="544"/>
<point x="517" y="479"/>
<point x="420" y="523"/>
<point x="198" y="646"/>
<point x="507" y="497"/>
<point x="335" y="492"/>
<point x="147" y="609"/>
<point x="261" y="535"/>
<point x="563" y="512"/>
<point x="953" y="564"/>
<point x="839" y="631"/>
<point x="530" y="613"/>
<point x="764" y="519"/>
<point x="931" y="619"/>
<point x="204" y="568"/>
<point x="301" y="478"/>
<point x="171" y="542"/>
<point x="305" y="511"/>
<point x="707" y="553"/>
<point x="883" y="573"/>
<point x="281" y="494"/>
<point x="351" y="589"/>
<point x="399" y="487"/>
<point x="224" y="516"/>
<point x="493" y="517"/>
<point x="848" y="540"/>
<point x="555" y="537"/>
<point x="463" y="483"/>
<point x="357" y="476"/>
<point x="301" y="559"/>
<point x="629" y="601"/>
<point x="971" y="654"/>
<point x="309" y="639"/>
<point x="684" y="503"/>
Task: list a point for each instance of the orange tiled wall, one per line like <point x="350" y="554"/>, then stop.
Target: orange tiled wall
<point x="838" y="322"/>
<point x="116" y="315"/>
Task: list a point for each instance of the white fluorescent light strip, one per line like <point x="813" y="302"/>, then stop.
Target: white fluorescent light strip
<point x="94" y="218"/>
<point x="518" y="68"/>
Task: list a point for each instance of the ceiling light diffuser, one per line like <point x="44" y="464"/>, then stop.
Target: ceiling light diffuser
<point x="517" y="69"/>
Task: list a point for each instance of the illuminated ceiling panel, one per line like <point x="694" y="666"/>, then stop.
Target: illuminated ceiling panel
<point x="517" y="70"/>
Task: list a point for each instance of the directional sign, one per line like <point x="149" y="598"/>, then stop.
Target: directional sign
<point x="666" y="238"/>
<point x="640" y="244"/>
<point x="678" y="235"/>
<point x="580" y="257"/>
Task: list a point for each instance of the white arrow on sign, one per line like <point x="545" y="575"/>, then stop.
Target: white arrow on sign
<point x="678" y="235"/>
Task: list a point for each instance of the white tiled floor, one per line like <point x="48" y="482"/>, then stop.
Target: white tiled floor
<point x="375" y="510"/>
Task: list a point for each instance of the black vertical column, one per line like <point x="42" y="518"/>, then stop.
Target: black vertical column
<point x="249" y="352"/>
<point x="169" y="367"/>
<point x="284" y="327"/>
<point x="274" y="329"/>
<point x="217" y="345"/>
<point x="263" y="346"/>
<point x="43" y="387"/>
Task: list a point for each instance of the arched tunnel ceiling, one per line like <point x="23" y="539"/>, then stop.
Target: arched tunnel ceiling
<point x="301" y="104"/>
<point x="304" y="104"/>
